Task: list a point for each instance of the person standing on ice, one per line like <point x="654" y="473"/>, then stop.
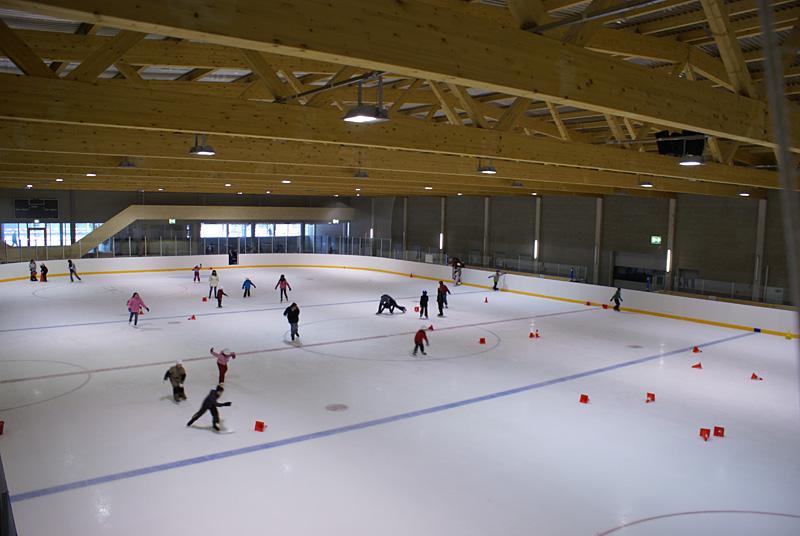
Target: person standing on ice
<point x="496" y="278"/>
<point x="43" y="270"/>
<point x="387" y="302"/>
<point x="135" y="305"/>
<point x="220" y="294"/>
<point x="73" y="271"/>
<point x="211" y="403"/>
<point x="444" y="291"/>
<point x="292" y="314"/>
<point x="176" y="375"/>
<point x="196" y="271"/>
<point x="419" y="338"/>
<point x="617" y="299"/>
<point x="423" y="304"/>
<point x="32" y="268"/>
<point x="440" y="299"/>
<point x="246" y="286"/>
<point x="213" y="282"/>
<point x="222" y="362"/>
<point x="284" y="285"/>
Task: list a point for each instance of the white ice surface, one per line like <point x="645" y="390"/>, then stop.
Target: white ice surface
<point x="532" y="462"/>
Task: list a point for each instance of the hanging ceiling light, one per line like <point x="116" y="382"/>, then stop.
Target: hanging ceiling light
<point x="91" y="174"/>
<point x="59" y="180"/>
<point x="645" y="184"/>
<point x="361" y="174"/>
<point x="368" y="113"/>
<point x="744" y="194"/>
<point x="201" y="146"/>
<point x="126" y="163"/>
<point x="486" y="169"/>
<point x="691" y="160"/>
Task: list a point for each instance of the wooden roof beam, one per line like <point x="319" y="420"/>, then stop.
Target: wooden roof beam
<point x="104" y="56"/>
<point x="21" y="55"/>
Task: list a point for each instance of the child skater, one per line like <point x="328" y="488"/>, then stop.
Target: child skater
<point x="616" y="298"/>
<point x="43" y="269"/>
<point x="32" y="268"/>
<point x="387" y="302"/>
<point x="246" y="286"/>
<point x="196" y="271"/>
<point x="419" y="337"/>
<point x="284" y="285"/>
<point x="73" y="271"/>
<point x="213" y="282"/>
<point x="440" y="299"/>
<point x="423" y="304"/>
<point x="220" y="294"/>
<point x="444" y="291"/>
<point x="292" y="314"/>
<point x="222" y="362"/>
<point x="135" y="305"/>
<point x="496" y="277"/>
<point x="176" y="375"/>
<point x="211" y="403"/>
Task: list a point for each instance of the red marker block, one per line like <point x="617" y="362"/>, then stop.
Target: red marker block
<point x="205" y="299"/>
<point x="531" y="335"/>
<point x="536" y="335"/>
<point x="430" y="328"/>
<point x="696" y="350"/>
<point x="416" y="309"/>
<point x="605" y="306"/>
<point x="651" y="397"/>
<point x="260" y="426"/>
<point x="482" y="341"/>
<point x="584" y="399"/>
<point x="697" y="365"/>
<point x="719" y="431"/>
<point x="705" y="433"/>
<point x="588" y="303"/>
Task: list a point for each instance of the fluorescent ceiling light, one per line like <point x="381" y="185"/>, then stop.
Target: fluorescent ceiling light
<point x="227" y="185"/>
<point x="286" y="181"/>
<point x="459" y="193"/>
<point x="691" y="160"/>
<point x="335" y="195"/>
<point x="744" y="194"/>
<point x="59" y="180"/>
<point x="91" y="174"/>
<point x="269" y="191"/>
<point x="161" y="189"/>
<point x="358" y="189"/>
<point x="429" y="187"/>
<point x="238" y="193"/>
<point x="534" y="193"/>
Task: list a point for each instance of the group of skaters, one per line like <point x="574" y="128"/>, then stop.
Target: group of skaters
<point x="217" y="292"/>
<point x="43" y="271"/>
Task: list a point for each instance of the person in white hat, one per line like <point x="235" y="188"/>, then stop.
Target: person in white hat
<point x="177" y="376"/>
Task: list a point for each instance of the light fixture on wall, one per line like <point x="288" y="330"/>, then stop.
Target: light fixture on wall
<point x="535" y="249"/>
<point x="441" y="241"/>
<point x="669" y="261"/>
<point x="368" y="113"/>
<point x="486" y="168"/>
<point x="201" y="146"/>
<point x="646" y="184"/>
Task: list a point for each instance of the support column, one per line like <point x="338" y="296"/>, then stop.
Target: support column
<point x="761" y="227"/>
<point x="598" y="234"/>
<point x="405" y="225"/>
<point x="673" y="204"/>
<point x="485" y="229"/>
<point x="537" y="232"/>
<point x="441" y="226"/>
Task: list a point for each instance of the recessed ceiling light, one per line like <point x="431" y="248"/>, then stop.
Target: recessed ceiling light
<point x="29" y="186"/>
<point x="459" y="193"/>
<point x="59" y="180"/>
<point x="227" y="185"/>
<point x="744" y="194"/>
<point x="286" y="181"/>
<point x="335" y="195"/>
<point x="358" y="195"/>
<point x="161" y="189"/>
<point x="91" y="174"/>
<point x="269" y="191"/>
<point x="534" y="193"/>
<point x="358" y="189"/>
<point x="429" y="187"/>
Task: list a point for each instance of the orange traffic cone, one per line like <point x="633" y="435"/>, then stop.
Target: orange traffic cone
<point x="705" y="433"/>
<point x="696" y="350"/>
<point x="430" y="328"/>
<point x="651" y="397"/>
<point x="588" y="303"/>
<point x="697" y="365"/>
<point x="584" y="399"/>
<point x="192" y="317"/>
<point x="719" y="431"/>
<point x="531" y="335"/>
<point x="486" y="300"/>
<point x="259" y="427"/>
<point x="205" y="299"/>
<point x="755" y="376"/>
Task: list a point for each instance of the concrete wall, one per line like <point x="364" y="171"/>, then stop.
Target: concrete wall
<point x="734" y="315"/>
<point x="568" y="230"/>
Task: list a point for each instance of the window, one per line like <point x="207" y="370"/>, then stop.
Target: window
<point x="213" y="230"/>
<point x="83" y="229"/>
<point x="238" y="230"/>
<point x="265" y="229"/>
<point x="287" y="229"/>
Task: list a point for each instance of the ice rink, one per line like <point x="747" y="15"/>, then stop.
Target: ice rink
<point x="363" y="439"/>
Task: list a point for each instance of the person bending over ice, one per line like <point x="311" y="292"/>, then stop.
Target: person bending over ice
<point x="177" y="376"/>
<point x="211" y="403"/>
<point x="220" y="294"/>
<point x="43" y="270"/>
<point x="246" y="286"/>
<point x="419" y="338"/>
<point x="387" y="302"/>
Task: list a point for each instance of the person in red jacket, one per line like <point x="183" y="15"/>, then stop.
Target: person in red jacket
<point x="220" y="294"/>
<point x="418" y="339"/>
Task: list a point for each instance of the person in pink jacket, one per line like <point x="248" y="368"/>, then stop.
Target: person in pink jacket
<point x="135" y="305"/>
<point x="222" y="362"/>
<point x="284" y="285"/>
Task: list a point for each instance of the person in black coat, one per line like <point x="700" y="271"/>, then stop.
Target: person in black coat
<point x="387" y="302"/>
<point x="292" y="314"/>
<point x="617" y="298"/>
<point x="211" y="403"/>
<point x="423" y="304"/>
<point x="43" y="269"/>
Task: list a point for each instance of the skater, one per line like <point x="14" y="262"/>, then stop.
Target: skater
<point x="213" y="282"/>
<point x="455" y="262"/>
<point x="457" y="266"/>
<point x="222" y="362"/>
<point x="292" y="314"/>
<point x="32" y="268"/>
<point x="616" y="298"/>
<point x="246" y="286"/>
<point x="440" y="299"/>
<point x="176" y="375"/>
<point x="73" y="271"/>
<point x="423" y="304"/>
<point x="444" y="291"/>
<point x="196" y="271"/>
<point x="387" y="302"/>
<point x="211" y="403"/>
<point x="220" y="294"/>
<point x="135" y="305"/>
<point x="496" y="277"/>
<point x="43" y="269"/>
<point x="284" y="285"/>
<point x="572" y="274"/>
<point x="418" y="338"/>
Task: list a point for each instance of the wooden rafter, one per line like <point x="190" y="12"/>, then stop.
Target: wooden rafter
<point x="258" y="63"/>
<point x="469" y="105"/>
<point x="512" y="114"/>
<point x="565" y="134"/>
<point x="103" y="57"/>
<point x="579" y="34"/>
<point x="729" y="49"/>
<point x="21" y="55"/>
<point x="323" y="97"/>
<point x="444" y="102"/>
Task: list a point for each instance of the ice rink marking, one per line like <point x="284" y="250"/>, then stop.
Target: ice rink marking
<point x="133" y="473"/>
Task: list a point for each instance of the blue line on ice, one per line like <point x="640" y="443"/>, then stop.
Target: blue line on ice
<point x="133" y="473"/>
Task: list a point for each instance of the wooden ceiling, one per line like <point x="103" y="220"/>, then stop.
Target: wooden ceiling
<point x="557" y="106"/>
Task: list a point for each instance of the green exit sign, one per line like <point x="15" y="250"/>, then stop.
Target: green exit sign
<point x="655" y="240"/>
<point x="172" y="221"/>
